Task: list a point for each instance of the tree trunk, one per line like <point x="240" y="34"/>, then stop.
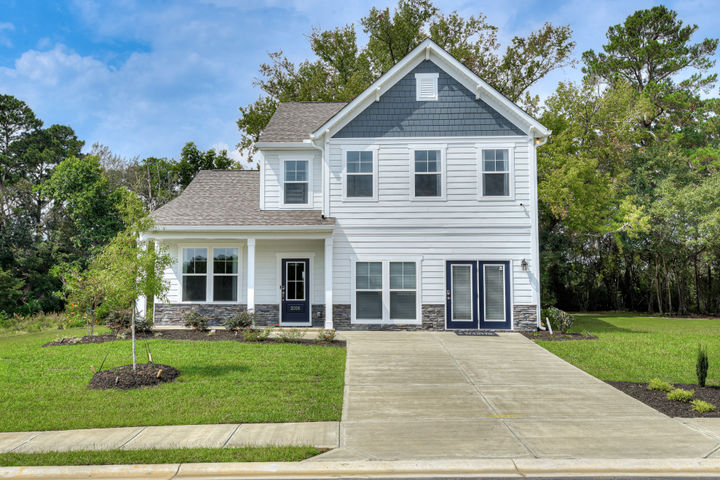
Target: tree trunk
<point x="658" y="287"/>
<point x="710" y="301"/>
<point x="132" y="333"/>
<point x="697" y="286"/>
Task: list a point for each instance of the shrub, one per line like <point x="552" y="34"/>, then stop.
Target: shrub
<point x="680" y="395"/>
<point x="701" y="365"/>
<point x="32" y="323"/>
<point x="326" y="335"/>
<point x="256" y="334"/>
<point x="290" y="335"/>
<point x="240" y="321"/>
<point x="701" y="406"/>
<point x="659" y="385"/>
<point x="118" y="321"/>
<point x="559" y="320"/>
<point x="196" y="320"/>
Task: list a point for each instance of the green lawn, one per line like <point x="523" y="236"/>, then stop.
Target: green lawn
<point x="637" y="348"/>
<point x="221" y="382"/>
<point x="144" y="457"/>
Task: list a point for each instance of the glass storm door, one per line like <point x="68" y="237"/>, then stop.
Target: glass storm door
<point x="461" y="295"/>
<point x="295" y="292"/>
<point x="494" y="302"/>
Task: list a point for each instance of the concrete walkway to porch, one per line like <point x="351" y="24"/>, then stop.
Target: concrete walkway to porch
<point x="425" y="396"/>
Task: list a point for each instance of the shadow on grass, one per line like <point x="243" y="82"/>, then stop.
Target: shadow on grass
<point x="214" y="370"/>
<point x="596" y="325"/>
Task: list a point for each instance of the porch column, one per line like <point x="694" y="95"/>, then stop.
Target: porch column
<point x="328" y="282"/>
<point x="251" y="275"/>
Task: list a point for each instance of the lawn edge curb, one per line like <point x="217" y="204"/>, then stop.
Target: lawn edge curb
<point x="518" y="467"/>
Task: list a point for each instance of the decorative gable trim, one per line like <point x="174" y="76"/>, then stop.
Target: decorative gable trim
<point x="429" y="50"/>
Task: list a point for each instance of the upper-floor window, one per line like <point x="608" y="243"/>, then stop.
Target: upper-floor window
<point x="427" y="169"/>
<point x="495" y="176"/>
<point x="426" y="86"/>
<point x="296" y="182"/>
<point x="360" y="174"/>
<point x="194" y="275"/>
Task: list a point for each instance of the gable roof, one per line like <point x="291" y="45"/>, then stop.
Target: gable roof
<point x="429" y="50"/>
<point x="295" y="121"/>
<point x="229" y="198"/>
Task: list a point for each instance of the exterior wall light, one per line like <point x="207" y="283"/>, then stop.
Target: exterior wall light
<point x="524" y="265"/>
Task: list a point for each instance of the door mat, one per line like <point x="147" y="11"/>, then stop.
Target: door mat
<point x="476" y="333"/>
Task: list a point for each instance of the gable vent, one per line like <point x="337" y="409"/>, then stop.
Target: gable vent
<point x="426" y="86"/>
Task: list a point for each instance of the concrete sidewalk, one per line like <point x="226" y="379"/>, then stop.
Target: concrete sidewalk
<point x="426" y="396"/>
<point x="317" y="434"/>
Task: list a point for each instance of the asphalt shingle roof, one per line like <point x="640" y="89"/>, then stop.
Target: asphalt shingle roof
<point x="229" y="198"/>
<point x="295" y="121"/>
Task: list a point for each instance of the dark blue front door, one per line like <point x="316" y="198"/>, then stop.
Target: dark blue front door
<point x="494" y="295"/>
<point x="461" y="295"/>
<point x="295" y="291"/>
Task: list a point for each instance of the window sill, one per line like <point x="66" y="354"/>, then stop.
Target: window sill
<point x="385" y="322"/>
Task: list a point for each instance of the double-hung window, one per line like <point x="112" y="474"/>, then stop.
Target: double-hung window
<point x="296" y="182"/>
<point x="225" y="274"/>
<point x="386" y="292"/>
<point x="403" y="291"/>
<point x="369" y="290"/>
<point x="495" y="177"/>
<point x="194" y="275"/>
<point x="360" y="174"/>
<point x="427" y="169"/>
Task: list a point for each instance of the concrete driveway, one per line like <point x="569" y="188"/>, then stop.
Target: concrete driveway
<point x="421" y="395"/>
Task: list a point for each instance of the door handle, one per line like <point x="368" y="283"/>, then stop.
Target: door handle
<point x="447" y="293"/>
<point x="282" y="293"/>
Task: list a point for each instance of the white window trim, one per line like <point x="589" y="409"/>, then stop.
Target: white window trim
<point x="360" y="148"/>
<point x="419" y="78"/>
<point x="511" y="173"/>
<point x="443" y="171"/>
<point x="210" y="250"/>
<point x="385" y="320"/>
<point x="304" y="156"/>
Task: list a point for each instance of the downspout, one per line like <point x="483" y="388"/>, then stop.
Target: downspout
<point x="534" y="143"/>
<point x="325" y="169"/>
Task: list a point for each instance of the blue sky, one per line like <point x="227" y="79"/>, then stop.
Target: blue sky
<point x="145" y="77"/>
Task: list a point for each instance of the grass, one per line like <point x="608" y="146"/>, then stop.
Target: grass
<point x="221" y="382"/>
<point x="143" y="457"/>
<point x="638" y="348"/>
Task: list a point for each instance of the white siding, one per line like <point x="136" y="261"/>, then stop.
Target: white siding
<point x="463" y="227"/>
<point x="273" y="189"/>
<point x="267" y="280"/>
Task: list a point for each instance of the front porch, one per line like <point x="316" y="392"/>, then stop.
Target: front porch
<point x="285" y="278"/>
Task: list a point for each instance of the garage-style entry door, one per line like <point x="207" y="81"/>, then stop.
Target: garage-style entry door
<point x="478" y="295"/>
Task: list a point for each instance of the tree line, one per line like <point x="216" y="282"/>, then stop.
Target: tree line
<point x="59" y="206"/>
<point x="628" y="182"/>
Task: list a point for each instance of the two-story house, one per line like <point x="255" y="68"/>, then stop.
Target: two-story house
<point x="413" y="206"/>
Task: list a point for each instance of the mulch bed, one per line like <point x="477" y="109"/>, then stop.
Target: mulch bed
<point x="218" y="335"/>
<point x="658" y="400"/>
<point x="558" y="337"/>
<point x="124" y="377"/>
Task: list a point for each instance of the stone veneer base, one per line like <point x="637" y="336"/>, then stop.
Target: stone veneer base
<point x="433" y="316"/>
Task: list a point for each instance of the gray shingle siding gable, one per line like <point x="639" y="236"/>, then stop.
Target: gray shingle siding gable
<point x="455" y="113"/>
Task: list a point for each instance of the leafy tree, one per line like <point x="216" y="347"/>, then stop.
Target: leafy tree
<point x="192" y="160"/>
<point x="80" y="190"/>
<point x="343" y="69"/>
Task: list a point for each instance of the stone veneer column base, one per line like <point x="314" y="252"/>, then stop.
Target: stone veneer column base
<point x="167" y="315"/>
<point x="525" y="318"/>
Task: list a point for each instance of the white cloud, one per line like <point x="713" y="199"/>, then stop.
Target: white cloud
<point x="5" y="37"/>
